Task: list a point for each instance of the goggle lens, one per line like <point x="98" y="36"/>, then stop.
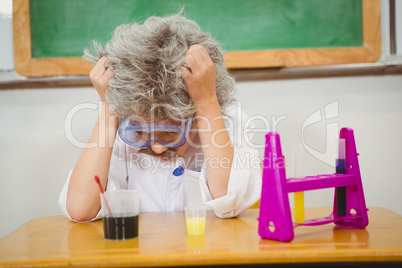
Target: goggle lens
<point x="140" y="133"/>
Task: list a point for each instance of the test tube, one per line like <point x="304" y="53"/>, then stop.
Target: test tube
<point x="341" y="169"/>
<point x="298" y="173"/>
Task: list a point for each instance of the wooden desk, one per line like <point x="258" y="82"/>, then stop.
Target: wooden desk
<point x="56" y="241"/>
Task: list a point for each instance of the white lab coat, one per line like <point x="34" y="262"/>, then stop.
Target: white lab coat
<point x="161" y="190"/>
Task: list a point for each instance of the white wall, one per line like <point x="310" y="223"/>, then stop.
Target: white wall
<point x="6" y="31"/>
<point x="35" y="155"/>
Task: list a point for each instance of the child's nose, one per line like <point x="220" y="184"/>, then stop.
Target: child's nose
<point x="157" y="147"/>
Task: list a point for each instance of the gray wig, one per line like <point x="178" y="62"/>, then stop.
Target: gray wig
<point x="145" y="58"/>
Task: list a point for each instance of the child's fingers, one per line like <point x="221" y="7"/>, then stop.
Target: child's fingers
<point x="109" y="73"/>
<point x="198" y="58"/>
<point x="185" y="71"/>
<point x="204" y="54"/>
<point x="99" y="68"/>
<point x="191" y="61"/>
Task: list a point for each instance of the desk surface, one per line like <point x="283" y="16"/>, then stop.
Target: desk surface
<point x="163" y="241"/>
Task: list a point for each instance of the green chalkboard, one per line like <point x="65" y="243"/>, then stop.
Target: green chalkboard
<point x="50" y="35"/>
<point x="63" y="28"/>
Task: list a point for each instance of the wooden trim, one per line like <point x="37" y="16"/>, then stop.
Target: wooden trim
<point x="299" y="57"/>
<point x="370" y="51"/>
<point x="372" y="28"/>
<point x="24" y="63"/>
<point x="22" y="35"/>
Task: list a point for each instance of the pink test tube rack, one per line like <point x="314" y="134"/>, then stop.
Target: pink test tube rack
<point x="275" y="220"/>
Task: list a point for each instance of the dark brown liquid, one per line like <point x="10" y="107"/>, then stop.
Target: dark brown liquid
<point x="120" y="228"/>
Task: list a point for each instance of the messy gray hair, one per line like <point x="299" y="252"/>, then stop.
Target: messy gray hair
<point x="145" y="58"/>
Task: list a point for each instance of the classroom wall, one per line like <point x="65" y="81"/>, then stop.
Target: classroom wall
<point x="6" y="31"/>
<point x="36" y="155"/>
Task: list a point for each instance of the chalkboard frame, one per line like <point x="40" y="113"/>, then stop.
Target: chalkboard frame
<point x="370" y="51"/>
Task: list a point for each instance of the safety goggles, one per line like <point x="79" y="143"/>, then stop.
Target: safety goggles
<point x="138" y="132"/>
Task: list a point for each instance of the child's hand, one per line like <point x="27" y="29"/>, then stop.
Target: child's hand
<point x="199" y="76"/>
<point x="100" y="76"/>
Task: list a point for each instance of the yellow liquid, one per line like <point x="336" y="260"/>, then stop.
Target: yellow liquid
<point x="299" y="207"/>
<point x="195" y="226"/>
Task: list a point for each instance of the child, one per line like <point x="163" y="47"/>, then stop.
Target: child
<point x="169" y="125"/>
